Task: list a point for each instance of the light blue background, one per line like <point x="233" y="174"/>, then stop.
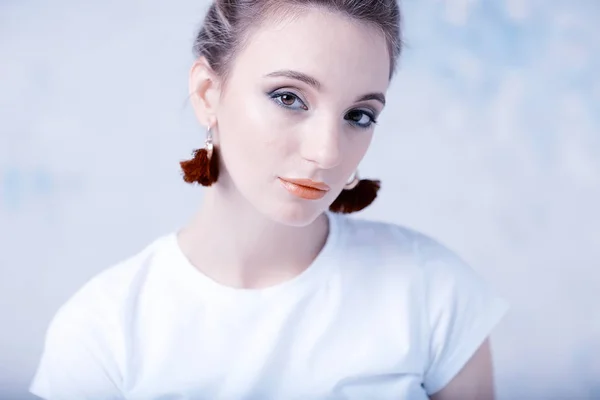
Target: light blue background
<point x="490" y="142"/>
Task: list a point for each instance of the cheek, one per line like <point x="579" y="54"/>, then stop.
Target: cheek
<point x="252" y="132"/>
<point x="356" y="148"/>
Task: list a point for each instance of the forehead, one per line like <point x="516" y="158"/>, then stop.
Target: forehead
<point x="338" y="51"/>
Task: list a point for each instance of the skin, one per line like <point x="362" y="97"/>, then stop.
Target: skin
<point x="290" y="111"/>
<point x="260" y="141"/>
<point x="475" y="381"/>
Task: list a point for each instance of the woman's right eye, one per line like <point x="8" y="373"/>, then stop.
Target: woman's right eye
<point x="289" y="100"/>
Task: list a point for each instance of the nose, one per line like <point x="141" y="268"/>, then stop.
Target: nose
<point x="321" y="144"/>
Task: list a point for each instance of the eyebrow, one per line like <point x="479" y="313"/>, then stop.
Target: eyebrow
<point x="309" y="80"/>
<point x="299" y="76"/>
<point x="372" y="96"/>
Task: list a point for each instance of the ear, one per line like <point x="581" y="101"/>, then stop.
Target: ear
<point x="205" y="88"/>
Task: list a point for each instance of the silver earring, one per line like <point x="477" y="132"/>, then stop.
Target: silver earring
<point x="352" y="182"/>
<point x="208" y="144"/>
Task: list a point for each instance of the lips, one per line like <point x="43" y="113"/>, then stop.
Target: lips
<point x="305" y="188"/>
<point x="308" y="183"/>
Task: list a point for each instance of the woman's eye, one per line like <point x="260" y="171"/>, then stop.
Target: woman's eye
<point x="360" y="118"/>
<point x="289" y="100"/>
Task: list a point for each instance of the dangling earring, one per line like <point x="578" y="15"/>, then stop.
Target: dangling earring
<point x="357" y="195"/>
<point x="203" y="168"/>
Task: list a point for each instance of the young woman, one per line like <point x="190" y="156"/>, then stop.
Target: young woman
<point x="270" y="292"/>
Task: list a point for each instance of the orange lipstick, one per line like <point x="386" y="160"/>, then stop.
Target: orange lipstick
<point x="305" y="188"/>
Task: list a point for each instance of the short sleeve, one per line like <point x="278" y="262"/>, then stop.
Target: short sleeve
<point x="462" y="312"/>
<point x="76" y="362"/>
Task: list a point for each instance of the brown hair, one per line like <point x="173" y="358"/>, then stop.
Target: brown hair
<point x="228" y="23"/>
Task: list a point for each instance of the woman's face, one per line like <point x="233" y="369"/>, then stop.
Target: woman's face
<point x="300" y="104"/>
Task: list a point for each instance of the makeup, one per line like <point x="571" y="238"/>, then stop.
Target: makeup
<point x="305" y="188"/>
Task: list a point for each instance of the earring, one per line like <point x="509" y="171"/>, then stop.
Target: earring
<point x="203" y="168"/>
<point x="357" y="195"/>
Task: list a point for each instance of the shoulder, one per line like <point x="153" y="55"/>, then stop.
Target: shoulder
<point x="424" y="250"/>
<point x="401" y="254"/>
<point x="84" y="346"/>
<point x="459" y="307"/>
<point x="104" y="299"/>
<point x="114" y="284"/>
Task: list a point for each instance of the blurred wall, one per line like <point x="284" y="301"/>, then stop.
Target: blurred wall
<point x="490" y="143"/>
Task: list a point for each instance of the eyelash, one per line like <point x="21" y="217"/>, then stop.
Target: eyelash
<point x="276" y="96"/>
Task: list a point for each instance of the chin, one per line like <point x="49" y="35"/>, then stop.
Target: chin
<point x="283" y="208"/>
<point x="294" y="213"/>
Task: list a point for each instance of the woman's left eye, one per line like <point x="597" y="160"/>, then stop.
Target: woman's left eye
<point x="289" y="100"/>
<point x="360" y="118"/>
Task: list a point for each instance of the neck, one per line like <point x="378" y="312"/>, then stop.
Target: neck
<point x="234" y="244"/>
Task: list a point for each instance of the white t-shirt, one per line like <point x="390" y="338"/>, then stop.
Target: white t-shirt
<point x="382" y="313"/>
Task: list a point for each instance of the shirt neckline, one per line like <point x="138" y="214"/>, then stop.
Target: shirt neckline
<point x="315" y="272"/>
